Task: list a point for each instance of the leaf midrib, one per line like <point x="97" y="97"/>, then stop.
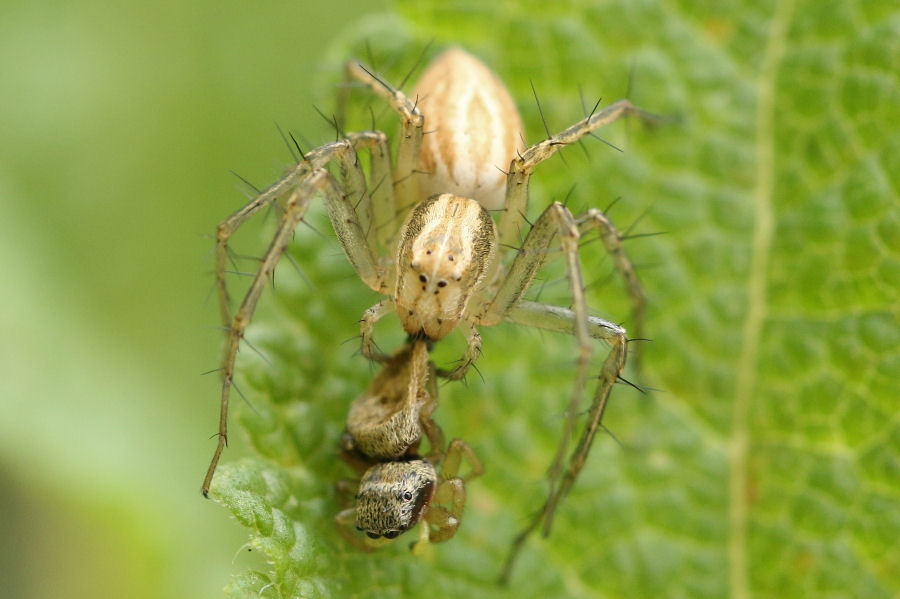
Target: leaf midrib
<point x="756" y="313"/>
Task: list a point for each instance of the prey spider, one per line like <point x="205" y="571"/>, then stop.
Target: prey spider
<point x="417" y="230"/>
<point x="398" y="487"/>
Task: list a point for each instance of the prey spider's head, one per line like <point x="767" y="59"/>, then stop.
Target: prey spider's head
<point x="446" y="246"/>
<point x="393" y="497"/>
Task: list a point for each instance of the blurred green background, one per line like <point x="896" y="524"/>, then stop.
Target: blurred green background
<point x="118" y="125"/>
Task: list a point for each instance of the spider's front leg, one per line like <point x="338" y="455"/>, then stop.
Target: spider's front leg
<point x="307" y="180"/>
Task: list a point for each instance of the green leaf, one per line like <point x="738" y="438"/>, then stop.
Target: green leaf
<point x="768" y="463"/>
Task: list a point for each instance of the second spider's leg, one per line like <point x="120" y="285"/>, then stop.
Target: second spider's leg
<point x="445" y="512"/>
<point x="456" y="452"/>
<point x="345" y="491"/>
<point x="473" y="350"/>
<point x="412" y="125"/>
<point x="520" y="168"/>
<point x="445" y="521"/>
<point x="346" y="225"/>
<point x="431" y="428"/>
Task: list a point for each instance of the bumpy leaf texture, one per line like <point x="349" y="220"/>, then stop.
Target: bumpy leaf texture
<point x="767" y="460"/>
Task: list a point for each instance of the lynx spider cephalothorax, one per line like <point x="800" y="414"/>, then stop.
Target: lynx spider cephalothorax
<point x="399" y="487"/>
<point x="440" y="269"/>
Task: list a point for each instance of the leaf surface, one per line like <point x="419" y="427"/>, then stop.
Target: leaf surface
<point x="768" y="463"/>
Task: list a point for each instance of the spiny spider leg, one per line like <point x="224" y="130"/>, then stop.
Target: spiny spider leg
<point x="473" y="350"/>
<point x="613" y="364"/>
<point x="612" y="240"/>
<point x="367" y="329"/>
<point x="344" y="152"/>
<point x="346" y="224"/>
<point x="556" y="220"/>
<point x="555" y="318"/>
<point x="520" y="168"/>
<point x="408" y="149"/>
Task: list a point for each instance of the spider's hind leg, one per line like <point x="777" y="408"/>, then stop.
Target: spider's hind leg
<point x="559" y="319"/>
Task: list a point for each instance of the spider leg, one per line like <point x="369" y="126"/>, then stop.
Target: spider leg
<point x="446" y="509"/>
<point x="343" y="152"/>
<point x="345" y="521"/>
<point x="345" y="491"/>
<point x="611" y="238"/>
<point x="555" y="318"/>
<point x="456" y="451"/>
<point x="450" y="492"/>
<point x="521" y="166"/>
<point x="412" y="125"/>
<point x="373" y="206"/>
<point x="346" y="225"/>
<point x="531" y="256"/>
<point x="473" y="350"/>
<point x="367" y="329"/>
<point x="559" y="319"/>
<point x="555" y="220"/>
<point x="381" y="194"/>
<point x="507" y="303"/>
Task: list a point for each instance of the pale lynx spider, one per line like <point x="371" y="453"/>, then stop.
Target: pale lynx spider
<point x="428" y="244"/>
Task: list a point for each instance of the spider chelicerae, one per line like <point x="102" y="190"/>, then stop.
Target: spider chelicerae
<point x="418" y="229"/>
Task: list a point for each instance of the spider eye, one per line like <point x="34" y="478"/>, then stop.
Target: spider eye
<point x="442" y="283"/>
<point x="407" y="496"/>
<point x="423" y="278"/>
<point x="373" y="535"/>
<point x="391" y="534"/>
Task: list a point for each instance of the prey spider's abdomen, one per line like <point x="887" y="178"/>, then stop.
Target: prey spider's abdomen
<point x="446" y="246"/>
